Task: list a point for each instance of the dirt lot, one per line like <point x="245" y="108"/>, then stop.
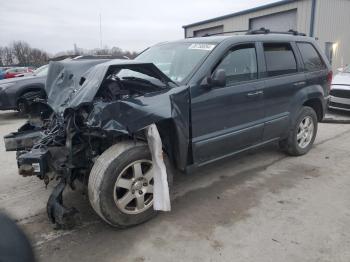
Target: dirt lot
<point x="263" y="206"/>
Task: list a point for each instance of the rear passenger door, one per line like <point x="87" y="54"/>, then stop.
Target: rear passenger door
<point x="283" y="78"/>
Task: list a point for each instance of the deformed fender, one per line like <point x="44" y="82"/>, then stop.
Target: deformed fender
<point x="131" y="115"/>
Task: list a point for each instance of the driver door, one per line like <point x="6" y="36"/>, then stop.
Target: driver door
<point x="228" y="119"/>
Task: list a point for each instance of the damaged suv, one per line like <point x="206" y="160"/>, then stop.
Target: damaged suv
<point x="209" y="98"/>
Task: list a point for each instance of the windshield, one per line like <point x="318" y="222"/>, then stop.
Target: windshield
<point x="41" y="71"/>
<point x="176" y="60"/>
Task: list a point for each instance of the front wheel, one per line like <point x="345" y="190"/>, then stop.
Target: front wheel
<point x="302" y="135"/>
<point x="121" y="185"/>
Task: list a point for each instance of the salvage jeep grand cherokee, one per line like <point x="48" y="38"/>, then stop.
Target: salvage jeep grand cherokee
<point x="209" y="97"/>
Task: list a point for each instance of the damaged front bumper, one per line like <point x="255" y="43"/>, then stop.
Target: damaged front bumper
<point x="44" y="162"/>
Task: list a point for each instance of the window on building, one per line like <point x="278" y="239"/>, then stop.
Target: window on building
<point x="240" y="64"/>
<point x="311" y="58"/>
<point x="280" y="59"/>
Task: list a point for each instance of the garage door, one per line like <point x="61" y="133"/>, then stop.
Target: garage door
<point x="283" y="21"/>
<point x="209" y="31"/>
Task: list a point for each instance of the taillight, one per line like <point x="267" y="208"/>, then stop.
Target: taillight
<point x="329" y="79"/>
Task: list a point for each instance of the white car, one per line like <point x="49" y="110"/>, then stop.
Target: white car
<point x="340" y="91"/>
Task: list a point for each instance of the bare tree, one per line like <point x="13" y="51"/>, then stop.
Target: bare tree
<point x="22" y="52"/>
<point x="38" y="57"/>
<point x="7" y="56"/>
<point x="1" y="56"/>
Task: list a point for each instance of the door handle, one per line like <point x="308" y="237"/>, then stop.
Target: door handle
<point x="253" y="94"/>
<point x="302" y="83"/>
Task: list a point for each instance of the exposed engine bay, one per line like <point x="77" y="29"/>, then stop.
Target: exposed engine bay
<point x="91" y="105"/>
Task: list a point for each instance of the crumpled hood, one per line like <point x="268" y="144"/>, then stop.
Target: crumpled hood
<point x="70" y="84"/>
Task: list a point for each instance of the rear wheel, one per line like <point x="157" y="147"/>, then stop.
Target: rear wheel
<point x="303" y="133"/>
<point x="121" y="185"/>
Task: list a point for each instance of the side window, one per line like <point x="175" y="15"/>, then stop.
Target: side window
<point x="280" y="59"/>
<point x="240" y="64"/>
<point x="311" y="58"/>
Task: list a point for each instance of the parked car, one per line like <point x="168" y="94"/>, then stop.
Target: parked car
<point x="16" y="71"/>
<point x="340" y="91"/>
<point x="211" y="98"/>
<point x="2" y="72"/>
<point x="18" y="93"/>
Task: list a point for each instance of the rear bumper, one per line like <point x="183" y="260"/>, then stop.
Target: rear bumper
<point x="339" y="103"/>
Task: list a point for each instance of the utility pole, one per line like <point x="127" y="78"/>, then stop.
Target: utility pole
<point x="76" y="52"/>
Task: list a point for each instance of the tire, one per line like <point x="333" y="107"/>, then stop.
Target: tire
<point x="22" y="107"/>
<point x="293" y="144"/>
<point x="112" y="169"/>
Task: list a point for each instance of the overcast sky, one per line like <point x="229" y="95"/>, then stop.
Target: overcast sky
<point x="132" y="25"/>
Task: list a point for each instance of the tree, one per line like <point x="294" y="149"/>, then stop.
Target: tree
<point x="1" y="56"/>
<point x="22" y="52"/>
<point x="7" y="56"/>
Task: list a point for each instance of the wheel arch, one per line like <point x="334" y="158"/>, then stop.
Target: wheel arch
<point x="29" y="88"/>
<point x="312" y="96"/>
<point x="316" y="104"/>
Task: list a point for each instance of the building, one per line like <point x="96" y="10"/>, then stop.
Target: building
<point x="326" y="20"/>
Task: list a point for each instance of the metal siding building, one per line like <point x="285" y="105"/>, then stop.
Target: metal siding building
<point x="330" y="18"/>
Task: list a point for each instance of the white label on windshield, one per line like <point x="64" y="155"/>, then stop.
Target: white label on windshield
<point x="207" y="47"/>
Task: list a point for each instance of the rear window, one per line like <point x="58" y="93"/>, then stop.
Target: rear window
<point x="311" y="58"/>
<point x="280" y="59"/>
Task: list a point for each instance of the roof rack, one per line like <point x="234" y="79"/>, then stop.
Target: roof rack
<point x="268" y="31"/>
<point x="257" y="32"/>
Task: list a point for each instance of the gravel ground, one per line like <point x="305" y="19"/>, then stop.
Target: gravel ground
<point x="263" y="206"/>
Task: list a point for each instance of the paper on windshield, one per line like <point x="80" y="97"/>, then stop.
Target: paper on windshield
<point x="201" y="46"/>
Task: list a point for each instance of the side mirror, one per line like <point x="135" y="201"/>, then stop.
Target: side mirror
<point x="218" y="79"/>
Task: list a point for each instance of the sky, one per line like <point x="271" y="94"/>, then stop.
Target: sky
<point x="133" y="25"/>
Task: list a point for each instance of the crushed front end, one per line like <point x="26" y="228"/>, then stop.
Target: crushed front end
<point x="90" y="106"/>
<point x="58" y="150"/>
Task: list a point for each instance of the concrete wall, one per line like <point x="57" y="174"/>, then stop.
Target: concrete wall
<point x="332" y="24"/>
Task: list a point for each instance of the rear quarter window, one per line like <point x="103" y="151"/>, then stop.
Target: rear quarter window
<point x="311" y="58"/>
<point x="280" y="59"/>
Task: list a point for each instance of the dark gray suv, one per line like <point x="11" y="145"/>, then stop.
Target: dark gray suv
<point x="209" y="97"/>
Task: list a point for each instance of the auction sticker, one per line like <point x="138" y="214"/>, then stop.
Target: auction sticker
<point x="201" y="46"/>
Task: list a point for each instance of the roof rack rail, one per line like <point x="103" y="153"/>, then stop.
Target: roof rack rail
<point x="268" y="31"/>
<point x="261" y="31"/>
<point x="222" y="33"/>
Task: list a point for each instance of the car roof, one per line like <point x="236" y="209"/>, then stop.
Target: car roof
<point x="244" y="38"/>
